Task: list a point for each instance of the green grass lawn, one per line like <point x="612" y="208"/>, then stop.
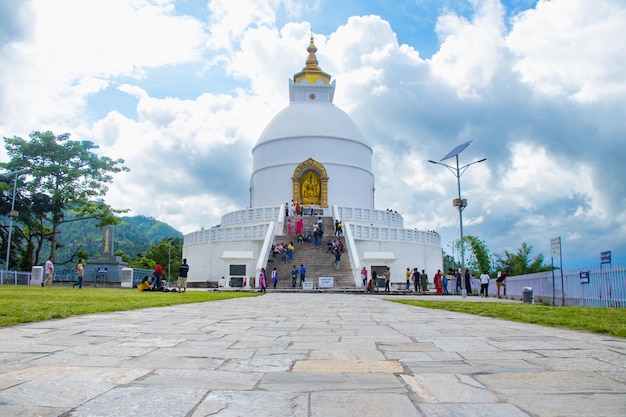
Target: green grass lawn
<point x="23" y="304"/>
<point x="610" y="321"/>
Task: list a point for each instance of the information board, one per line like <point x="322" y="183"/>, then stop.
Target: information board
<point x="325" y="282"/>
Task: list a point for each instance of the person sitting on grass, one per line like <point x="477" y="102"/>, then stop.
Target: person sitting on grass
<point x="144" y="285"/>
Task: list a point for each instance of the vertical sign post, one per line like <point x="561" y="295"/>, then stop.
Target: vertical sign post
<point x="605" y="258"/>
<point x="555" y="249"/>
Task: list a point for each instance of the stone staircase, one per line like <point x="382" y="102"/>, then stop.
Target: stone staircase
<point x="317" y="261"/>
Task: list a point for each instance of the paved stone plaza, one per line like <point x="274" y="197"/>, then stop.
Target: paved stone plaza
<point x="306" y="355"/>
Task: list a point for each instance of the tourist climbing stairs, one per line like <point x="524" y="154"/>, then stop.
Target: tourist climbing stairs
<point x="317" y="261"/>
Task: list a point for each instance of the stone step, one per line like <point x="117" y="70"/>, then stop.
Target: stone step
<point x="318" y="261"/>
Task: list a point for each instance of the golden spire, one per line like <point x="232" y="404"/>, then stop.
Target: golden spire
<point x="311" y="72"/>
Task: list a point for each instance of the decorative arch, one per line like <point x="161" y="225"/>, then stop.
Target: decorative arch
<point x="310" y="183"/>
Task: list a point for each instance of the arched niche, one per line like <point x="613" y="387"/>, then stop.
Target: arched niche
<point x="310" y="184"/>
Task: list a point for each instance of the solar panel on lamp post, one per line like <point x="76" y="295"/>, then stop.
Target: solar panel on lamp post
<point x="459" y="203"/>
<point x="12" y="212"/>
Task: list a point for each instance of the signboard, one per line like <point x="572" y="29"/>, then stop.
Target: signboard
<point x="307" y="285"/>
<point x="584" y="277"/>
<point x="555" y="247"/>
<point x="325" y="282"/>
<point x="605" y="257"/>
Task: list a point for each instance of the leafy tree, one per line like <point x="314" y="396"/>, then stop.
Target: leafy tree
<point x="142" y="263"/>
<point x="65" y="176"/>
<point x="521" y="263"/>
<point x="168" y="253"/>
<point x="478" y="256"/>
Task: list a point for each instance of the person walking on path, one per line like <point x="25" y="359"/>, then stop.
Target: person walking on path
<point x="48" y="269"/>
<point x="262" y="282"/>
<point x="444" y="280"/>
<point x="337" y="259"/>
<point x="484" y="284"/>
<point x="459" y="283"/>
<point x="302" y="275"/>
<point x="274" y="278"/>
<point x="423" y="282"/>
<point x="80" y="271"/>
<point x="183" y="271"/>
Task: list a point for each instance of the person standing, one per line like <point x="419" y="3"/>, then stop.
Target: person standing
<point x="364" y="276"/>
<point x="299" y="226"/>
<point x="459" y="283"/>
<point x="408" y="279"/>
<point x="274" y="278"/>
<point x="437" y="280"/>
<point x="183" y="270"/>
<point x="80" y="271"/>
<point x="444" y="279"/>
<point x="423" y="282"/>
<point x="289" y="227"/>
<point x="302" y="275"/>
<point x="158" y="276"/>
<point x="337" y="259"/>
<point x="416" y="280"/>
<point x="262" y="282"/>
<point x="294" y="276"/>
<point x="484" y="284"/>
<point x="501" y="282"/>
<point x="468" y="282"/>
<point x="48" y="268"/>
<point x="387" y="277"/>
<point x="290" y="249"/>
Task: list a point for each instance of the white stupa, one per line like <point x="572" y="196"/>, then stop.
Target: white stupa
<point x="311" y="153"/>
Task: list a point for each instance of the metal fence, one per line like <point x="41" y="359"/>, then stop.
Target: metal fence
<point x="589" y="287"/>
<point x="585" y="287"/>
<point x="62" y="276"/>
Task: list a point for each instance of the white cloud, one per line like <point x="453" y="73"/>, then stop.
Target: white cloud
<point x="572" y="48"/>
<point x="541" y="96"/>
<point x="471" y="51"/>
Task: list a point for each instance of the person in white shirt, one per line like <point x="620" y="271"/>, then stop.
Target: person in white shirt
<point x="484" y="284"/>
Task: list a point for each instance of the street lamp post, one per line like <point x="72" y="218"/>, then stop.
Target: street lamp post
<point x="12" y="213"/>
<point x="459" y="203"/>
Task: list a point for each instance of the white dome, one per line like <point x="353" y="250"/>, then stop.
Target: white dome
<point x="301" y="120"/>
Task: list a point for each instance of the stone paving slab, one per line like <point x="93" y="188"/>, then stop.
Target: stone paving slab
<point x="306" y="355"/>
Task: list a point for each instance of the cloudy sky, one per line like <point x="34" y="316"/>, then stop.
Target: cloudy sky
<point x="181" y="90"/>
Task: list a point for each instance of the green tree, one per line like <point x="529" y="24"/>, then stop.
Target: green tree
<point x="521" y="262"/>
<point x="168" y="252"/>
<point x="65" y="176"/>
<point x="477" y="254"/>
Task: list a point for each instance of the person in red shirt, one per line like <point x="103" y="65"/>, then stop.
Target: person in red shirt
<point x="158" y="276"/>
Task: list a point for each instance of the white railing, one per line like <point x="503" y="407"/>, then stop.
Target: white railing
<point x="227" y="234"/>
<point x="355" y="214"/>
<point x="260" y="214"/>
<point x="394" y="234"/>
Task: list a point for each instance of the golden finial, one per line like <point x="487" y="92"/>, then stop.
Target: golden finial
<point x="311" y="72"/>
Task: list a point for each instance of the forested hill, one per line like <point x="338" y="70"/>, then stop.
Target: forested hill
<point x="132" y="236"/>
